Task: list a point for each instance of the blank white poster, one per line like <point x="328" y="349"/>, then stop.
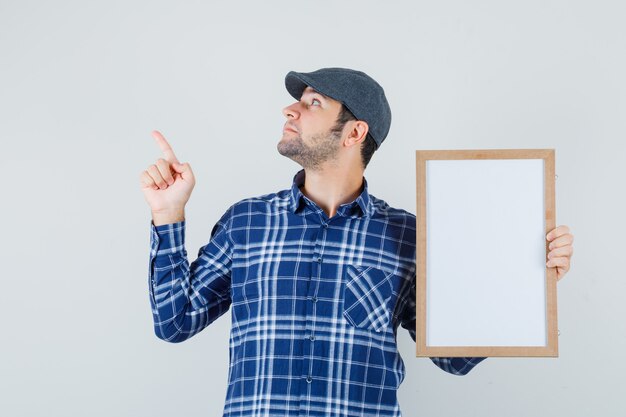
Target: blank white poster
<point x="486" y="254"/>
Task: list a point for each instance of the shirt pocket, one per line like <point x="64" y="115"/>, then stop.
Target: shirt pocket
<point x="366" y="296"/>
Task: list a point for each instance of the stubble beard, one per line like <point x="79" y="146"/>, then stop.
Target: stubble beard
<point x="323" y="148"/>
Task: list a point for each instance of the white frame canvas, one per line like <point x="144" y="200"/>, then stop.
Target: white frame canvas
<point x="483" y="287"/>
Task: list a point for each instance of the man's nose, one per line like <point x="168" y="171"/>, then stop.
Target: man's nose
<point x="292" y="110"/>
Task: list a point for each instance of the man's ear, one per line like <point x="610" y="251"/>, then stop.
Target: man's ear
<point x="358" y="132"/>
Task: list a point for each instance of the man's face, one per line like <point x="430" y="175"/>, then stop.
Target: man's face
<point x="308" y="135"/>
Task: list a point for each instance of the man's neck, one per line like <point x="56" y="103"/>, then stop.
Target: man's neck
<point x="331" y="187"/>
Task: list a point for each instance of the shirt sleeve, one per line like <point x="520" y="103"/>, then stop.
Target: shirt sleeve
<point x="187" y="298"/>
<point x="454" y="366"/>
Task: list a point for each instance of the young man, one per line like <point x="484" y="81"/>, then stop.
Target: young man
<point x="318" y="277"/>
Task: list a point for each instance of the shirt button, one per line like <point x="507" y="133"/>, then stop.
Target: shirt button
<point x="309" y="379"/>
<point x="314" y="299"/>
<point x="312" y="338"/>
<point x="319" y="259"/>
<point x="325" y="225"/>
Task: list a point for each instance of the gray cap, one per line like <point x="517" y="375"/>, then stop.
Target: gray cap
<point x="356" y="90"/>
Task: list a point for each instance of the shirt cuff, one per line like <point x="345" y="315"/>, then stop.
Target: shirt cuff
<point x="167" y="238"/>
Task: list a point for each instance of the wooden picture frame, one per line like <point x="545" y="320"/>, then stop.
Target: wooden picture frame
<point x="482" y="220"/>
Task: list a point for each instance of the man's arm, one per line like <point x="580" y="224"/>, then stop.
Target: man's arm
<point x="455" y="366"/>
<point x="185" y="299"/>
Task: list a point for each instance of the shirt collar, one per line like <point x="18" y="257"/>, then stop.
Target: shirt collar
<point x="360" y="207"/>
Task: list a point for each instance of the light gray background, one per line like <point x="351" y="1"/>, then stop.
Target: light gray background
<point x="82" y="84"/>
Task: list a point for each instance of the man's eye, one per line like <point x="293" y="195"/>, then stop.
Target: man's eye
<point x="314" y="100"/>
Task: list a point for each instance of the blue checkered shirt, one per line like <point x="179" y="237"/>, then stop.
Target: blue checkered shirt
<point x="315" y="302"/>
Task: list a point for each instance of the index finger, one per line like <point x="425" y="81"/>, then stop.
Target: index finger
<point x="165" y="147"/>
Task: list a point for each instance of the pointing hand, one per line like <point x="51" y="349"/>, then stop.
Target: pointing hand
<point x="167" y="184"/>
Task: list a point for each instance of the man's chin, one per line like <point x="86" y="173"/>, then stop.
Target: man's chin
<point x="284" y="151"/>
<point x="288" y="152"/>
<point x="285" y="147"/>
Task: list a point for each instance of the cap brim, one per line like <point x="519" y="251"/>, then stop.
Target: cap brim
<point x="296" y="83"/>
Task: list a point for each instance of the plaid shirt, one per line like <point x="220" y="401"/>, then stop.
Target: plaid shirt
<point x="315" y="302"/>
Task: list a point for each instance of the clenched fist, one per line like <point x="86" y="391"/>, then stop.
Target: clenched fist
<point x="167" y="184"/>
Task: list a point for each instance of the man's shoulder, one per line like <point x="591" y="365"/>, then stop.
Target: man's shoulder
<point x="262" y="203"/>
<point x="393" y="221"/>
<point x="381" y="208"/>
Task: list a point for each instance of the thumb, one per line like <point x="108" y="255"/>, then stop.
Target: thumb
<point x="181" y="168"/>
